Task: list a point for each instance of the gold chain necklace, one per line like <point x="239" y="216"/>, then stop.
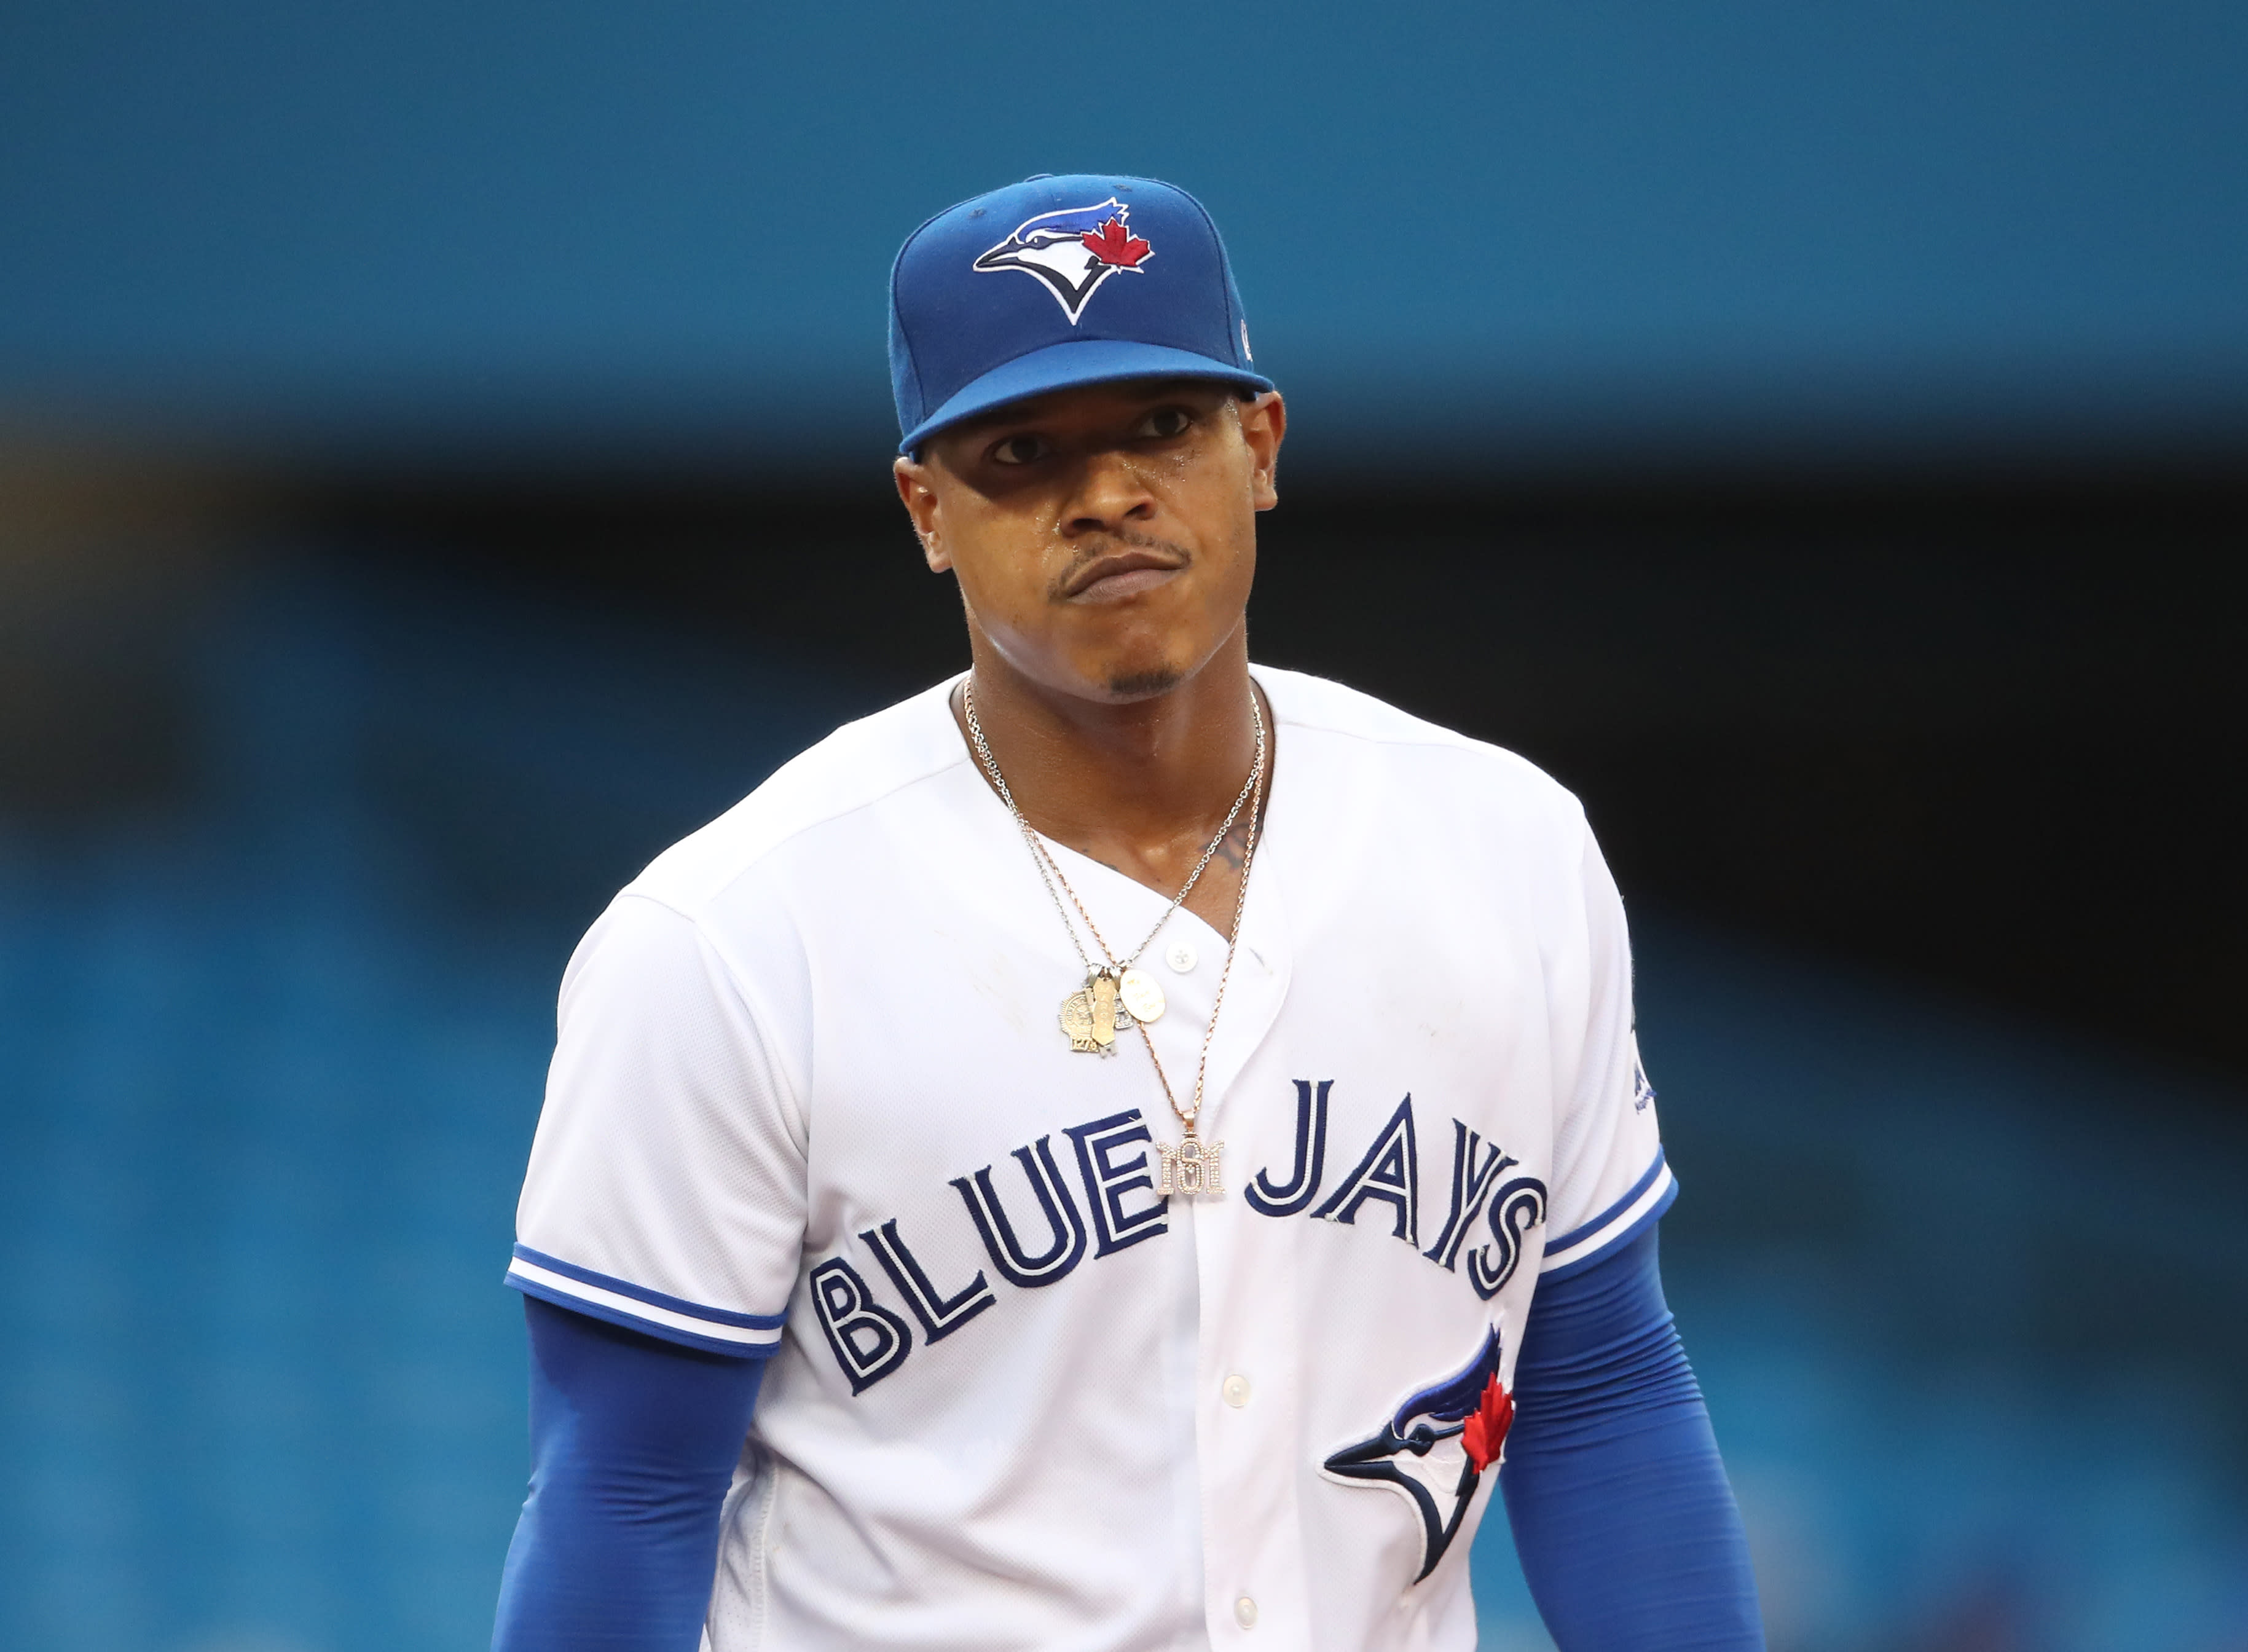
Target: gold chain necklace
<point x="1116" y="994"/>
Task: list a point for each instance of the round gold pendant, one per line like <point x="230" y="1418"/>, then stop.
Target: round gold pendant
<point x="1141" y="996"/>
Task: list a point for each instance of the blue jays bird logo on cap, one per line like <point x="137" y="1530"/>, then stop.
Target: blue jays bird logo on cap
<point x="1072" y="251"/>
<point x="1434" y="1447"/>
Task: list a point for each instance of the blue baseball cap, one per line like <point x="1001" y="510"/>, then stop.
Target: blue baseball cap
<point x="1055" y="282"/>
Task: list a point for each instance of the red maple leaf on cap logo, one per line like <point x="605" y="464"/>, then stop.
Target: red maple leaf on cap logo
<point x="1486" y="1430"/>
<point x="1113" y="245"/>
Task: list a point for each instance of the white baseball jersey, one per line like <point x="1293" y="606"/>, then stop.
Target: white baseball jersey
<point x="811" y="1096"/>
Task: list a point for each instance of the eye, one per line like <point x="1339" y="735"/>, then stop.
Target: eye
<point x="1020" y="449"/>
<point x="1165" y="423"/>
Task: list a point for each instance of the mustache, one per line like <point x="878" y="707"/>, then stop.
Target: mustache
<point x="1108" y="545"/>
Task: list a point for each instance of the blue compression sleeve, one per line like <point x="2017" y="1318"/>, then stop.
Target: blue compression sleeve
<point x="1621" y="1511"/>
<point x="633" y="1445"/>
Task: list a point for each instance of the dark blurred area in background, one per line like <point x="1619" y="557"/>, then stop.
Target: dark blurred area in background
<point x="442" y="459"/>
<point x="1985" y="731"/>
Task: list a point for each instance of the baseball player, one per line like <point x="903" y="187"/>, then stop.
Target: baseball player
<point x="1125" y="1149"/>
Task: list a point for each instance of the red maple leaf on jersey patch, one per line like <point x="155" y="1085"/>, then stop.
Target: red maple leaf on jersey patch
<point x="1486" y="1430"/>
<point x="1113" y="245"/>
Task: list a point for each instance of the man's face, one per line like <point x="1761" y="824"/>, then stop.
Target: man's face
<point x="1104" y="537"/>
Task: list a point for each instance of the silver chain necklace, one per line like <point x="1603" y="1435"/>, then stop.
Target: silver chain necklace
<point x="1116" y="994"/>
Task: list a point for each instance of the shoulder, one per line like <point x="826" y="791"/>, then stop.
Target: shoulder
<point x="862" y="767"/>
<point x="1350" y="730"/>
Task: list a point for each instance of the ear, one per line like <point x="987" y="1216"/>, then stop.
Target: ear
<point x="1264" y="423"/>
<point x="919" y="499"/>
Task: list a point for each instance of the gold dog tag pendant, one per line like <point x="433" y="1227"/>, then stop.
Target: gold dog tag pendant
<point x="1088" y="1016"/>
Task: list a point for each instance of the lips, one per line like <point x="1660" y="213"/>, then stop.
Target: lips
<point x="1120" y="563"/>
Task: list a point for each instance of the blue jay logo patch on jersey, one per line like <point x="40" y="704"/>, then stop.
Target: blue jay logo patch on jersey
<point x="1434" y="1447"/>
<point x="1072" y="251"/>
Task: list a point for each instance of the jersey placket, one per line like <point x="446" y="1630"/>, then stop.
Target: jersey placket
<point x="1246" y="1421"/>
<point x="1245" y="1410"/>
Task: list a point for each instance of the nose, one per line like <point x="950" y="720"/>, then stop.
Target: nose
<point x="1110" y="494"/>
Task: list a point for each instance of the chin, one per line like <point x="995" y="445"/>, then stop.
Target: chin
<point x="1142" y="682"/>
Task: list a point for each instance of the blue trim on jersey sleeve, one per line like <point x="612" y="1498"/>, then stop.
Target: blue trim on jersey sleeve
<point x="1615" y="1242"/>
<point x="654" y="1298"/>
<point x="758" y="1352"/>
<point x="1575" y="1234"/>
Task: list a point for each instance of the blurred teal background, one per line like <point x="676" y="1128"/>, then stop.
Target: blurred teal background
<point x="442" y="462"/>
<point x="1911" y="224"/>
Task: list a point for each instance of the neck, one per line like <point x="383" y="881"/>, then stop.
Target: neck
<point x="1128" y="782"/>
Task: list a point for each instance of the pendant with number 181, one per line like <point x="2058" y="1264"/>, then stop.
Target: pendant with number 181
<point x="1191" y="1167"/>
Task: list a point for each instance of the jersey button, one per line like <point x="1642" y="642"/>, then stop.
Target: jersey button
<point x="1181" y="958"/>
<point x="1237" y="1395"/>
<point x="1245" y="1613"/>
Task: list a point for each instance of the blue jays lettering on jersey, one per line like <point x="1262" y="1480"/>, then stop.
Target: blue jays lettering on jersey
<point x="1121" y="1205"/>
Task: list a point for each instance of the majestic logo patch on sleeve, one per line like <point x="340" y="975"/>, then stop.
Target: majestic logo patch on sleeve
<point x="1434" y="1448"/>
<point x="1072" y="251"/>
